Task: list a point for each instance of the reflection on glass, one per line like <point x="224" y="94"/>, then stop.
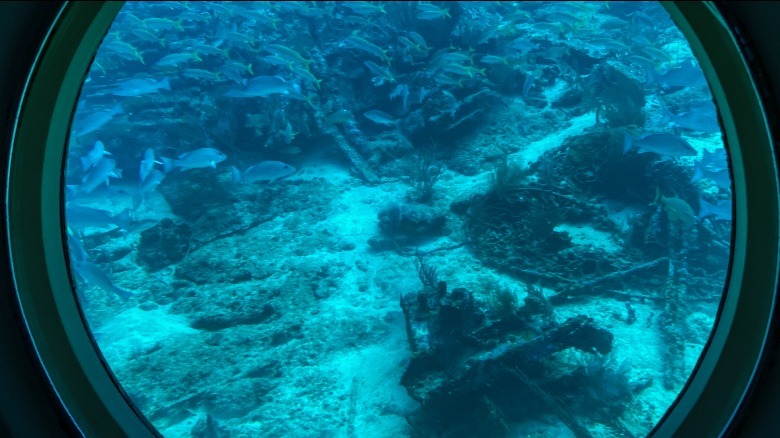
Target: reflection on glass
<point x="398" y="219"/>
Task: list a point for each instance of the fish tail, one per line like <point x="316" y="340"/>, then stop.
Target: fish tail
<point x="168" y="164"/>
<point x="124" y="294"/>
<point x="122" y="219"/>
<point x="658" y="196"/>
<point x="138" y="199"/>
<point x="628" y="142"/>
<point x="236" y="174"/>
<point x="705" y="209"/>
<point x="697" y="173"/>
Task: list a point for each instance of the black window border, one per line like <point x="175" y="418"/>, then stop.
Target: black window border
<point x="96" y="402"/>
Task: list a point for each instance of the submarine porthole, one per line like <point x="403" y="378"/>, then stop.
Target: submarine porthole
<point x="264" y="181"/>
<point x="395" y="218"/>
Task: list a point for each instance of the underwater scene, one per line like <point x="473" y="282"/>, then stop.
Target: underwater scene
<point x="401" y="219"/>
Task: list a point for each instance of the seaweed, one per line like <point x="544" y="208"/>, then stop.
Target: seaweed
<point x="425" y="172"/>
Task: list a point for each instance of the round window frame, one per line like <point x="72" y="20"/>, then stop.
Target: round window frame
<point x="99" y="406"/>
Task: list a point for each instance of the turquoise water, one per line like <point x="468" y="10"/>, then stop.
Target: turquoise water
<point x="398" y="219"/>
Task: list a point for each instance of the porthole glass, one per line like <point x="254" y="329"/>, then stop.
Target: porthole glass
<point x="398" y="219"/>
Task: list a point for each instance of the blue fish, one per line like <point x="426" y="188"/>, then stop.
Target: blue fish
<point x="664" y="144"/>
<point x="402" y="91"/>
<point x="721" y="210"/>
<point x="147" y="164"/>
<point x="199" y="158"/>
<point x="100" y="174"/>
<point x="380" y="117"/>
<point x="147" y="187"/>
<point x="684" y="76"/>
<point x="714" y="160"/>
<point x="75" y="248"/>
<point x="95" y="154"/>
<point x="720" y="176"/>
<point x="263" y="171"/>
<point x="262" y="86"/>
<point x="96" y="120"/>
<point x="80" y="216"/>
<point x="700" y="117"/>
<point x="95" y="276"/>
<point x="140" y="87"/>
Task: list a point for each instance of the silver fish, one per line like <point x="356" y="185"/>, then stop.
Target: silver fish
<point x="428" y="11"/>
<point x="381" y="72"/>
<point x="140" y="87"/>
<point x="96" y="120"/>
<point x="364" y="8"/>
<point x="364" y="45"/>
<point x="686" y="75"/>
<point x="720" y="210"/>
<point x="147" y="164"/>
<point x="80" y="217"/>
<point x="174" y="59"/>
<point x="715" y="160"/>
<point x="97" y="152"/>
<point x="380" y="117"/>
<point x="263" y="171"/>
<point x="720" y="177"/>
<point x="103" y="170"/>
<point x="95" y="276"/>
<point x="199" y="74"/>
<point x="261" y="86"/>
<point x="700" y="117"/>
<point x="75" y="248"/>
<point x="147" y="186"/>
<point x="199" y="158"/>
<point x="661" y="143"/>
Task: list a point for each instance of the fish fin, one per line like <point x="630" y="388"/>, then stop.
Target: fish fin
<point x="236" y="174"/>
<point x="697" y="174"/>
<point x="124" y="294"/>
<point x="628" y="142"/>
<point x="122" y="218"/>
<point x="71" y="190"/>
<point x="651" y="76"/>
<point x="658" y="196"/>
<point x="85" y="164"/>
<point x="168" y="164"/>
<point x="705" y="209"/>
<point x="138" y="199"/>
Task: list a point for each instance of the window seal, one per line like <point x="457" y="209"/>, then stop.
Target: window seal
<point x="726" y="369"/>
<point x="75" y="367"/>
<point x="97" y="403"/>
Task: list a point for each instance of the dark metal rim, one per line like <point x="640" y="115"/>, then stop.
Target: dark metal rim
<point x="98" y="405"/>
